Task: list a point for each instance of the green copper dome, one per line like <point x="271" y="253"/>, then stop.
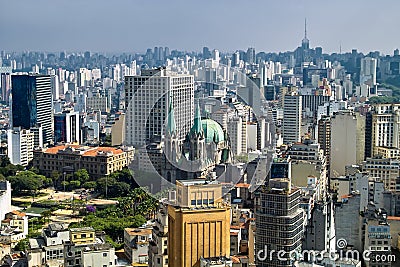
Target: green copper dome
<point x="212" y="131"/>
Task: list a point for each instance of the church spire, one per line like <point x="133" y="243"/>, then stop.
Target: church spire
<point x="171" y="127"/>
<point x="197" y="121"/>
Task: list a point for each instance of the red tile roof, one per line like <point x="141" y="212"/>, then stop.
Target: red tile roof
<point x="88" y="151"/>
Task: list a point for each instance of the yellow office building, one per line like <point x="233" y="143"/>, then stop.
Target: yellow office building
<point x="198" y="225"/>
<point x="84" y="235"/>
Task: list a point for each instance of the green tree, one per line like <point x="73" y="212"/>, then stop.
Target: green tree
<point x="22" y="245"/>
<point x="65" y="184"/>
<point x="27" y="181"/>
<point x="119" y="189"/>
<point x="74" y="184"/>
<point x="89" y="185"/>
<point x="4" y="161"/>
<point x="104" y="183"/>
<point x="46" y="215"/>
<point x="124" y="175"/>
<point x="382" y="99"/>
<point x="81" y="175"/>
<point x="55" y="177"/>
<point x="11" y="170"/>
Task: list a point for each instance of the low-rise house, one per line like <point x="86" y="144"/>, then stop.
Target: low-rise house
<point x="136" y="245"/>
<point x="48" y="249"/>
<point x="86" y="248"/>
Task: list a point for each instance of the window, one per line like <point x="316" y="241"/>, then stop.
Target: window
<point x="104" y="254"/>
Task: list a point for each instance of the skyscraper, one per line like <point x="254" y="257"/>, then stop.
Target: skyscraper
<point x="292" y="114"/>
<point x="147" y="100"/>
<point x="251" y="55"/>
<point x="66" y="127"/>
<point x="32" y="104"/>
<point x="279" y="223"/>
<point x="347" y="141"/>
<point x="5" y="86"/>
<point x="324" y="137"/>
<point x="368" y="71"/>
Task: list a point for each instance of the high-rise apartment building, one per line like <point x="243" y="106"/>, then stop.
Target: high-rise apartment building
<point x="32" y="104"/>
<point x="5" y="85"/>
<point x="251" y="55"/>
<point x="20" y="146"/>
<point x="386" y="170"/>
<point x="67" y="127"/>
<point x="279" y="223"/>
<point x="147" y="99"/>
<point x="347" y="141"/>
<point x="292" y="115"/>
<point x="368" y="71"/>
<point x="198" y="225"/>
<point x="382" y="130"/>
<point x="324" y="137"/>
<point x="235" y="133"/>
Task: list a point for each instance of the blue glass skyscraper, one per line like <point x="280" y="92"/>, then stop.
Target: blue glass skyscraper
<point x="32" y="103"/>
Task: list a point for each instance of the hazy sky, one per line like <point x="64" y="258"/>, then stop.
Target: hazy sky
<point x="228" y="25"/>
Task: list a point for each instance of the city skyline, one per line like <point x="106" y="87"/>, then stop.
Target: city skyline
<point x="133" y="26"/>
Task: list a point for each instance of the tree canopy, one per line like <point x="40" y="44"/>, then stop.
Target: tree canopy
<point x="28" y="181"/>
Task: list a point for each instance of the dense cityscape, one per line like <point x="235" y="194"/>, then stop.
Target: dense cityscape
<point x="204" y="158"/>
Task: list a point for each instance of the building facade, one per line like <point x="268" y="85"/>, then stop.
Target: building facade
<point x="198" y="225"/>
<point x="292" y="118"/>
<point x="20" y="146"/>
<point x="147" y="100"/>
<point x="32" y="104"/>
<point x="279" y="222"/>
<point x="347" y="141"/>
<point x="384" y="128"/>
<point x="98" y="161"/>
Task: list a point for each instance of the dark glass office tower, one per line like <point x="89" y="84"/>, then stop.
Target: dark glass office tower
<point x="32" y="104"/>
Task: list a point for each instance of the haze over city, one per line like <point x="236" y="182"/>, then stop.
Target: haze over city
<point x="133" y="26"/>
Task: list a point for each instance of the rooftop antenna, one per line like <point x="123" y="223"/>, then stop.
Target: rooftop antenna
<point x="305" y="28"/>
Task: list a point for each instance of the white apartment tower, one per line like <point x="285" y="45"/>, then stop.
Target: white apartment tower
<point x="368" y="71"/>
<point x="20" y="146"/>
<point x="147" y="100"/>
<point x="385" y="126"/>
<point x="292" y="112"/>
<point x="235" y="129"/>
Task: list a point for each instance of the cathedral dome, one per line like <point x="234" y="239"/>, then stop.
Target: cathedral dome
<point x="212" y="131"/>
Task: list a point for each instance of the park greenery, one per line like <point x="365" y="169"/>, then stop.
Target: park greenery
<point x="131" y="211"/>
<point x="383" y="100"/>
<point x="134" y="206"/>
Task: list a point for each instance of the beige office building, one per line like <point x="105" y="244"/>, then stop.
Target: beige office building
<point x="347" y="141"/>
<point x="198" y="225"/>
